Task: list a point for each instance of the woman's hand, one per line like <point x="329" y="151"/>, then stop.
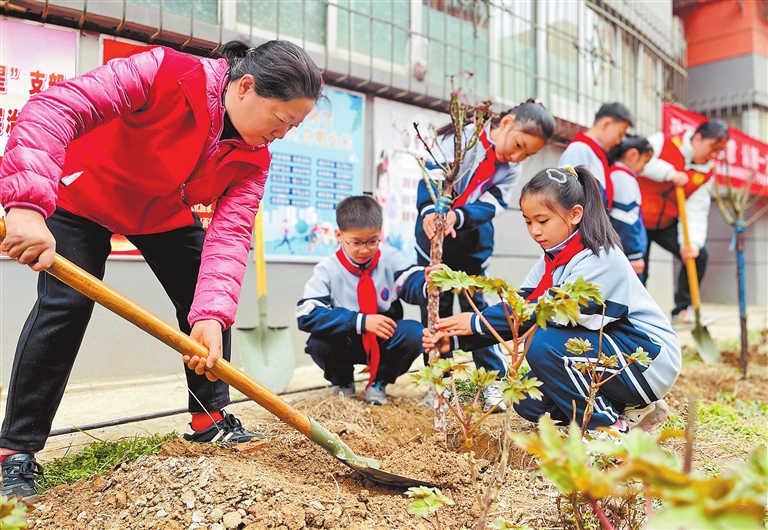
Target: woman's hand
<point x="27" y="239"/>
<point x="429" y="224"/>
<point x="687" y="253"/>
<point x="439" y="340"/>
<point x="456" y="325"/>
<point x="680" y="178"/>
<point x="207" y="333"/>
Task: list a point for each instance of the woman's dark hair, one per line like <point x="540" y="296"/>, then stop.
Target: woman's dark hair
<point x="281" y="69"/>
<point x="617" y="152"/>
<point x="531" y="117"/>
<point x="717" y="129"/>
<point x="560" y="191"/>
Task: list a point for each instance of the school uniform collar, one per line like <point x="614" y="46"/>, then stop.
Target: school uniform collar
<point x="361" y="266"/>
<point x="627" y="169"/>
<point x="554" y="251"/>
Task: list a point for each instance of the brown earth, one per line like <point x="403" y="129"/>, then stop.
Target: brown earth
<point x="290" y="483"/>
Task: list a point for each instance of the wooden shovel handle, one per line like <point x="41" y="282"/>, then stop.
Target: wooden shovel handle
<point x="690" y="264"/>
<point x="98" y="291"/>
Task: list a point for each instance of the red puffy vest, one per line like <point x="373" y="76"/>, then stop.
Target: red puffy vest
<point x="659" y="205"/>
<point x="143" y="172"/>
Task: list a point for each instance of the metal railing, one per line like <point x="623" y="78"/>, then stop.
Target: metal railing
<point x="572" y="55"/>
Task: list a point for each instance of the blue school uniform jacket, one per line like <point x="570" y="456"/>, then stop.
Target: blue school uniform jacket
<point x="480" y="208"/>
<point x="625" y="215"/>
<point x="632" y="317"/>
<point x="330" y="305"/>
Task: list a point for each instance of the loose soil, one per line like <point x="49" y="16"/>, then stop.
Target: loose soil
<point x="290" y="483"/>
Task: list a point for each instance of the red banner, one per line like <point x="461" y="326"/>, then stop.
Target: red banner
<point x="745" y="155"/>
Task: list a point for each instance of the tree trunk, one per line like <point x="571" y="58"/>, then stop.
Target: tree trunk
<point x="742" y="298"/>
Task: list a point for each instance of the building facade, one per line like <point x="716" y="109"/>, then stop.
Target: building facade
<point x="572" y="55"/>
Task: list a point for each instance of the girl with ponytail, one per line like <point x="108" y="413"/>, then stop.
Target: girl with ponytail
<point x="564" y="212"/>
<point x="493" y="168"/>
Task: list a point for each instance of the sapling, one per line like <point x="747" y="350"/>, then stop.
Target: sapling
<point x="524" y="317"/>
<point x="733" y="208"/>
<point x="451" y="169"/>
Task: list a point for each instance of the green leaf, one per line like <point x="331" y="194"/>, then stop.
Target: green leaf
<point x="577" y="346"/>
<point x="449" y="280"/>
<point x="641" y="357"/>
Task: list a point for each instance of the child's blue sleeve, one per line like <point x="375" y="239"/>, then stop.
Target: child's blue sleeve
<point x="633" y="237"/>
<point x="411" y="285"/>
<point x="315" y="312"/>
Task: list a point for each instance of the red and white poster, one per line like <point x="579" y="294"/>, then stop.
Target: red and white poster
<point x="32" y="58"/>
<point x="745" y="155"/>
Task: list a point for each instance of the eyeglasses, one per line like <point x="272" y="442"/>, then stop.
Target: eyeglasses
<point x="357" y="245"/>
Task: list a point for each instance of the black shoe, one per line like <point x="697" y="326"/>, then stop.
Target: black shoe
<point x="19" y="472"/>
<point x="229" y="429"/>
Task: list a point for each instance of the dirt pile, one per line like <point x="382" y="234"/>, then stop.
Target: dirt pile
<point x="291" y="483"/>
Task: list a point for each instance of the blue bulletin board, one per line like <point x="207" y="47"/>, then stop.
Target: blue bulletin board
<point x="313" y="168"/>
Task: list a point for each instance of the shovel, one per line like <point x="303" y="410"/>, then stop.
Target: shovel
<point x="96" y="290"/>
<point x="267" y="352"/>
<point x="705" y="346"/>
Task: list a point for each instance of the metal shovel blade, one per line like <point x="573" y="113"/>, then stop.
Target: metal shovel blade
<point x="366" y="466"/>
<point x="266" y="352"/>
<point x="705" y="346"/>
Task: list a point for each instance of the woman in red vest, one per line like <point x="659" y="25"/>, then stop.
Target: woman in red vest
<point x="129" y="148"/>
<point x="684" y="161"/>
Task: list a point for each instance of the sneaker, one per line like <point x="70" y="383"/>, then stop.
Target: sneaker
<point x="493" y="397"/>
<point x="612" y="433"/>
<point x="686" y="319"/>
<point x="229" y="429"/>
<point x="646" y="417"/>
<point x="19" y="472"/>
<point x="375" y="394"/>
<point x="343" y="391"/>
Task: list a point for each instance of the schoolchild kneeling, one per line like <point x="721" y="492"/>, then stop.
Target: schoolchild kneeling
<point x="351" y="305"/>
<point x="564" y="212"/>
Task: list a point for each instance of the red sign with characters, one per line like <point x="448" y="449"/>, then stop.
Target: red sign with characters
<point x="745" y="155"/>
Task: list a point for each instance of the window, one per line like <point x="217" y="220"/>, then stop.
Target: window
<point x="563" y="48"/>
<point x="517" y="50"/>
<point x="301" y="19"/>
<point x="377" y="28"/>
<point x="458" y="43"/>
<point x="205" y="10"/>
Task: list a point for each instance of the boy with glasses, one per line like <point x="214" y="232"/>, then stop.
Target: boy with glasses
<point x="351" y="305"/>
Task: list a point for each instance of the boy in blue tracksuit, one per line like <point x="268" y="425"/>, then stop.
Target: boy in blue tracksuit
<point x="492" y="168"/>
<point x="564" y="212"/>
<point x="351" y="305"/>
<point x="627" y="161"/>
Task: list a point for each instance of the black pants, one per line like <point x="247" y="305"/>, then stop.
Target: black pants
<point x="54" y="330"/>
<point x="667" y="239"/>
<point x="337" y="355"/>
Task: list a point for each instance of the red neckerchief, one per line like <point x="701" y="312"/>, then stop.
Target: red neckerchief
<point x="600" y="152"/>
<point x="483" y="174"/>
<point x="367" y="300"/>
<point x="573" y="247"/>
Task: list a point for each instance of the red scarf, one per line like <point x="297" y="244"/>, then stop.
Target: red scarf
<point x="600" y="152"/>
<point x="573" y="247"/>
<point x="482" y="175"/>
<point x="368" y="303"/>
